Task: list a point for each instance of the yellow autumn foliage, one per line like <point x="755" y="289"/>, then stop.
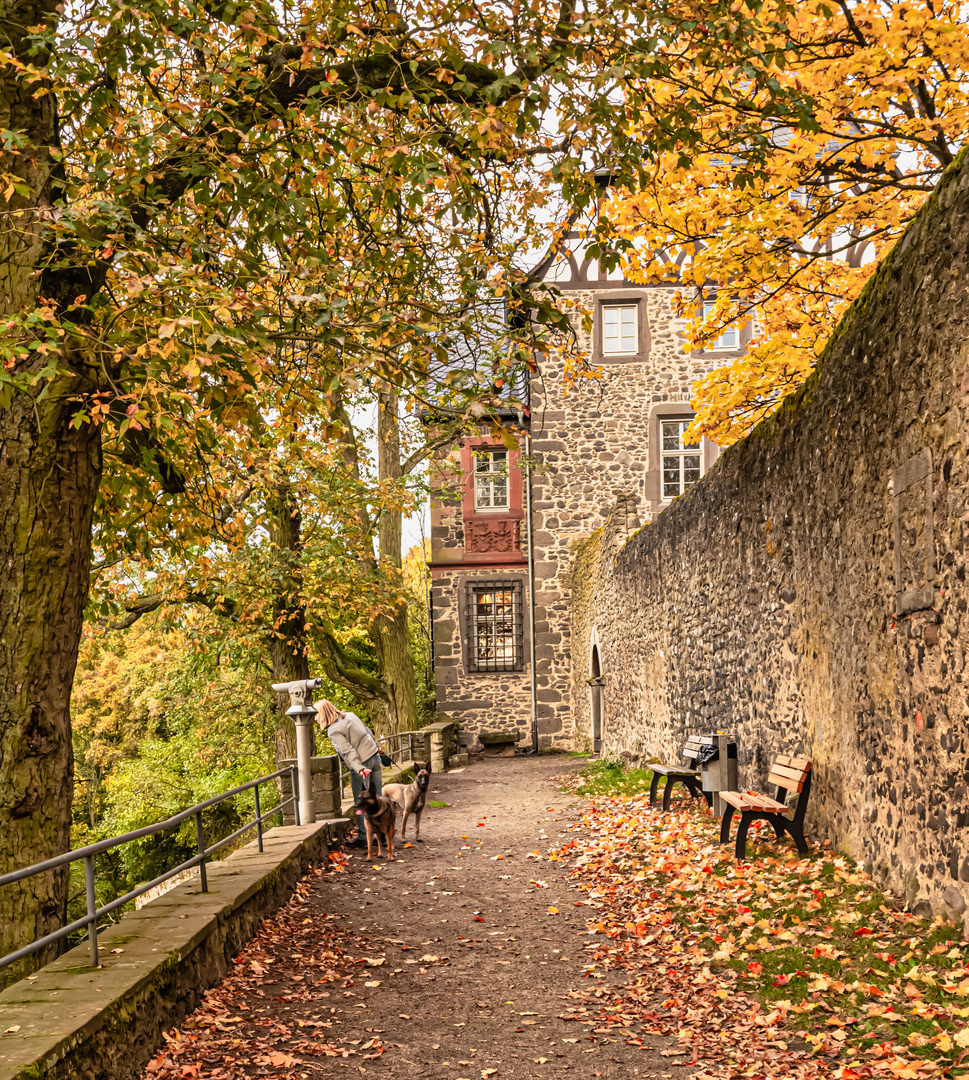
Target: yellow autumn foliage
<point x="792" y="184"/>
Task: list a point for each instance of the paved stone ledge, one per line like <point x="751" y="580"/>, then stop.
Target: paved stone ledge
<point x="77" y="1023"/>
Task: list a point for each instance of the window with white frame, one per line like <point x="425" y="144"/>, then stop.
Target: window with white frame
<point x="495" y="626"/>
<point x="491" y="480"/>
<point x="728" y="339"/>
<point x="681" y="460"/>
<point x="620" y="329"/>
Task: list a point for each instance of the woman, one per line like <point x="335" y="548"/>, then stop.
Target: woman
<point x="359" y="750"/>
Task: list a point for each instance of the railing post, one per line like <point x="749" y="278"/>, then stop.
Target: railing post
<point x="255" y="792"/>
<point x="294" y="789"/>
<point x="200" y="837"/>
<point x="92" y="907"/>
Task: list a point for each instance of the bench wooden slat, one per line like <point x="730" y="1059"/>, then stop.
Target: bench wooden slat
<point x="786" y="770"/>
<point x="765" y="802"/>
<point x="743" y="800"/>
<point x="672" y="770"/>
<point x="738" y="799"/>
<point x="786" y="778"/>
<point x="802" y="763"/>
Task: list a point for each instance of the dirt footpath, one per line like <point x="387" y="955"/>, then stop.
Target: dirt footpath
<point x="446" y="964"/>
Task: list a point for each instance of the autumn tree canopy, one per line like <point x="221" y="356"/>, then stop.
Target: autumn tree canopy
<point x="220" y="217"/>
<point x="178" y="182"/>
<point x="804" y="164"/>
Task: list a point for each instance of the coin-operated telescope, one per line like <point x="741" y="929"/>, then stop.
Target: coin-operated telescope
<point x="301" y="710"/>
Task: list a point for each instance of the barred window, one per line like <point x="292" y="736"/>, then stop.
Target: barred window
<point x="494" y="625"/>
<point x="681" y="460"/>
<point x="491" y="480"/>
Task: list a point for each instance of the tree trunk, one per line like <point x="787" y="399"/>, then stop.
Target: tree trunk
<point x="390" y="635"/>
<point x="49" y="476"/>
<point x="288" y="637"/>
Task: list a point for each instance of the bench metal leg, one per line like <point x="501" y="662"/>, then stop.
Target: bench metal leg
<point x="725" y="824"/>
<point x="797" y="833"/>
<point x="692" y="787"/>
<point x="653" y="788"/>
<point x="741" y="849"/>
<point x="668" y="792"/>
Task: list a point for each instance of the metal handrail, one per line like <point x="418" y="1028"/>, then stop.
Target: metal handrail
<point x="398" y="754"/>
<point x="87" y="854"/>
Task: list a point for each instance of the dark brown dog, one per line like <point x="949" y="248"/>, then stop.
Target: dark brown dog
<point x="409" y="799"/>
<point x="381" y="818"/>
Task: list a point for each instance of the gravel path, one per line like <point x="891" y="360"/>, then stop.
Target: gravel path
<point x="446" y="964"/>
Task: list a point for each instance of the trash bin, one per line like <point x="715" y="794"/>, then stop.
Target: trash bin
<point x="714" y="774"/>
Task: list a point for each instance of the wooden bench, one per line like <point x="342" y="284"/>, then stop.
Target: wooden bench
<point x="687" y="775"/>
<point x="788" y="774"/>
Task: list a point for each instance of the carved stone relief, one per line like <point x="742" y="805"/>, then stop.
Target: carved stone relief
<point x="482" y="535"/>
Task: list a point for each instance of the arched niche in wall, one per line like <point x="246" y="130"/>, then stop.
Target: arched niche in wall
<point x="596" y="681"/>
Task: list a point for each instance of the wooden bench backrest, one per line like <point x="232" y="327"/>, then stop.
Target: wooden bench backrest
<point x="693" y="747"/>
<point x="789" y="772"/>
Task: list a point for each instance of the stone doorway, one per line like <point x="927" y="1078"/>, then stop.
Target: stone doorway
<point x="595" y="687"/>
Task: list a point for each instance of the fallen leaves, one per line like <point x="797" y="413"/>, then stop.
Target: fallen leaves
<point x="238" y="1026"/>
<point x="708" y="947"/>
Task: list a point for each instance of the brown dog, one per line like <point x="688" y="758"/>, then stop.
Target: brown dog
<point x="409" y="799"/>
<point x="381" y="818"/>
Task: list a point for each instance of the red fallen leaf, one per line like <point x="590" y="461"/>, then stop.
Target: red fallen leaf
<point x="755" y="967"/>
<point x="862" y="931"/>
<point x="477" y="918"/>
<point x="781" y="980"/>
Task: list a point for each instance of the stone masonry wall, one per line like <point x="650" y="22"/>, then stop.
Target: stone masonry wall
<point x="591" y="443"/>
<point x="810" y="593"/>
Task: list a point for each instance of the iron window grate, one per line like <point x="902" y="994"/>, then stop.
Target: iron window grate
<point x="494" y="625"/>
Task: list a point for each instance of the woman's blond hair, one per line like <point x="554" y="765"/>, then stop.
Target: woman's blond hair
<point x="326" y="712"/>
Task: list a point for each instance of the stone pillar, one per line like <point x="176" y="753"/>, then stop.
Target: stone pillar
<point x="443" y="743"/>
<point x="326" y="788"/>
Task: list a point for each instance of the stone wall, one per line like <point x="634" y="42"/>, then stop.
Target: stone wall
<point x="592" y="443"/>
<point x="490" y="701"/>
<point x="810" y="592"/>
<point x="70" y="1021"/>
<point x="325" y="772"/>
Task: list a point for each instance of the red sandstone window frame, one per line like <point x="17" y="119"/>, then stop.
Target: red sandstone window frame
<point x="469" y="510"/>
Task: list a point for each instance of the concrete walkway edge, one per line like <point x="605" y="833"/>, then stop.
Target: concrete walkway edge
<point x="71" y="1020"/>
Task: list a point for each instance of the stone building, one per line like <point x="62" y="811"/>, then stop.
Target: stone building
<point x="620" y="434"/>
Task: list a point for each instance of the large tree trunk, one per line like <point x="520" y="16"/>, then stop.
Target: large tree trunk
<point x="390" y="635"/>
<point x="49" y="475"/>
<point x="288" y="637"/>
